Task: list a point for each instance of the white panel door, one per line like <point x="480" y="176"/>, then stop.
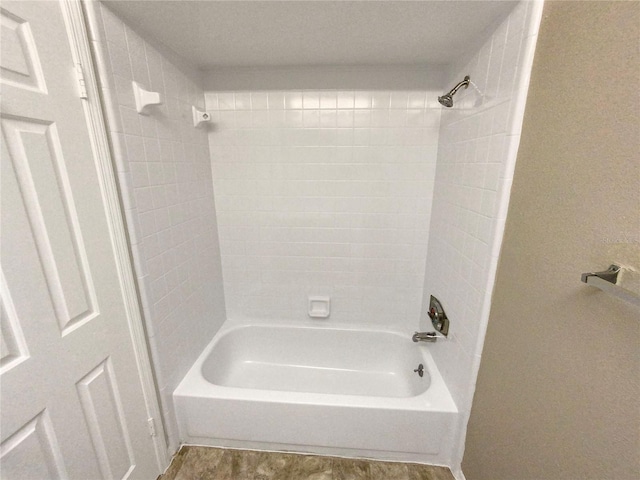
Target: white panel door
<point x="72" y="403"/>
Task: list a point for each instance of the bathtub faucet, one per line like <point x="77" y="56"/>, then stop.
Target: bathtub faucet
<point x="424" y="337"/>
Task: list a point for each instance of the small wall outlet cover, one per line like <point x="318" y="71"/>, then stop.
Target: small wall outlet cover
<point x="319" y="307"/>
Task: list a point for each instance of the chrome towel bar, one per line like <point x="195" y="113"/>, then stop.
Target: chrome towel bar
<point x="607" y="281"/>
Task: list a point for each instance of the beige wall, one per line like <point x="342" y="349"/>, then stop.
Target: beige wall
<point x="558" y="392"/>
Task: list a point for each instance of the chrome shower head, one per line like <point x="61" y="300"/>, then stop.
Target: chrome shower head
<point x="447" y="100"/>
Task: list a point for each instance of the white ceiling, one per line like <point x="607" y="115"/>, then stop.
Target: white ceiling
<point x="285" y="33"/>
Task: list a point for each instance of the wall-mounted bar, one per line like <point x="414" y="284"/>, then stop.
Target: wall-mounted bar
<point x="144" y="98"/>
<point x="607" y="281"/>
<point x="199" y="117"/>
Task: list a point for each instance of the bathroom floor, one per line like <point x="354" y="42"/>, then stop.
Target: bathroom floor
<point x="206" y="463"/>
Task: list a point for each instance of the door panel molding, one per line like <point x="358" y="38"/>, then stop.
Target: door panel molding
<point x="81" y="51"/>
<point x="14" y="347"/>
<point x="35" y="445"/>
<point x="37" y="158"/>
<point x="115" y="459"/>
<point x="22" y="67"/>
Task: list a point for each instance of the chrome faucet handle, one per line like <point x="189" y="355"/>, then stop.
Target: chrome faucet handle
<point x="438" y="318"/>
<point x="434" y="315"/>
<point x="424" y="337"/>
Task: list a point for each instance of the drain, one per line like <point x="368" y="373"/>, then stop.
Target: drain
<point x="420" y="370"/>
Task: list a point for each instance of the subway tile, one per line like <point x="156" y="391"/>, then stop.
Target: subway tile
<point x="137" y="57"/>
<point x="510" y="67"/>
<point x="345" y="118"/>
<point x="380" y="117"/>
<point x="346" y="100"/>
<point x="130" y="121"/>
<point x="416" y="100"/>
<point x="328" y="100"/>
<point x="293" y="119"/>
<point x="380" y="100"/>
<point x="170" y="78"/>
<point x="152" y="149"/>
<point x="328" y="118"/>
<point x="144" y="199"/>
<point x="226" y="101"/>
<point x="492" y="176"/>
<point x="361" y="118"/>
<point x="147" y="223"/>
<point x="124" y="91"/>
<point x="148" y="125"/>
<point x="259" y="100"/>
<point x="293" y="100"/>
<point x="134" y="148"/>
<point x="276" y="100"/>
<point x="397" y="117"/>
<point x="311" y="118"/>
<point x="494" y="69"/>
<point x="156" y="176"/>
<point x="241" y="119"/>
<point x="154" y="64"/>
<point x="113" y="27"/>
<point x="120" y="62"/>
<point x="362" y="99"/>
<point x="211" y="101"/>
<point x="242" y="101"/>
<point x="139" y="174"/>
<point x="310" y="100"/>
<point x="399" y="100"/>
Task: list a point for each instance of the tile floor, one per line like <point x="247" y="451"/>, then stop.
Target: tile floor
<point x="206" y="463"/>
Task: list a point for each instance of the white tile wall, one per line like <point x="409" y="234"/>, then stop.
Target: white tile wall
<point x="163" y="167"/>
<point x="479" y="138"/>
<point x="324" y="193"/>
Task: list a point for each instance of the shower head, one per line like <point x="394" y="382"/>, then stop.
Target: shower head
<point x="447" y="99"/>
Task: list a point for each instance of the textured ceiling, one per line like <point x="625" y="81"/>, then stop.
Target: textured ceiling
<point x="285" y="33"/>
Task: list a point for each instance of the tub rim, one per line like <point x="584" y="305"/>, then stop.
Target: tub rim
<point x="194" y="384"/>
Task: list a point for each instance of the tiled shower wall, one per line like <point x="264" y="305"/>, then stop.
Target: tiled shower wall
<point x="479" y="139"/>
<point x="163" y="169"/>
<point x="324" y="193"/>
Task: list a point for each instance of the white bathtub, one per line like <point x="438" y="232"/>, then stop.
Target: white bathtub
<point x="337" y="391"/>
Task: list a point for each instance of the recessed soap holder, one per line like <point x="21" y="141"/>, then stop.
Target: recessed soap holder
<point x="319" y="307"/>
<point x="438" y="317"/>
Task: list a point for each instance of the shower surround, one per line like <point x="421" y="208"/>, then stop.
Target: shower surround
<point x="369" y="192"/>
<point x="324" y="193"/>
<point x="478" y="145"/>
<point x="309" y="205"/>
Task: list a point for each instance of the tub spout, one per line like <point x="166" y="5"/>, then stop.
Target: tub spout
<point x="424" y="337"/>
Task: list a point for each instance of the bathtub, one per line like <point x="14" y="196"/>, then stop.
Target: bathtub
<point x="305" y="388"/>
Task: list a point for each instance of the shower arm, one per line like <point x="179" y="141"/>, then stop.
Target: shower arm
<point x="464" y="83"/>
